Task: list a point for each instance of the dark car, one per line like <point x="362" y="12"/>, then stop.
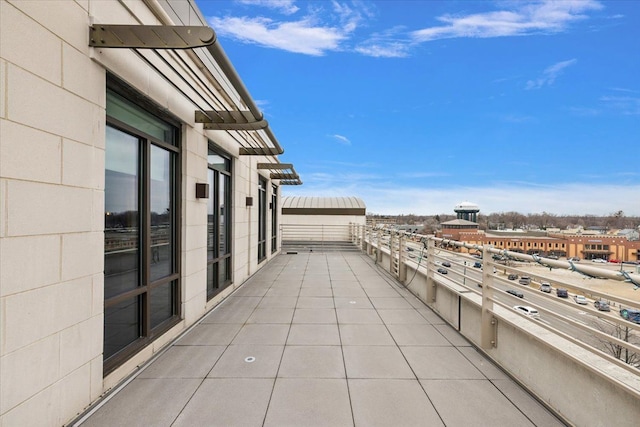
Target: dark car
<point x="515" y="293"/>
<point x="562" y="293"/>
<point x="630" y="314"/>
<point x="446" y="264"/>
<point x="477" y="264"/>
<point x="512" y="277"/>
<point x="601" y="305"/>
<point x="442" y="271"/>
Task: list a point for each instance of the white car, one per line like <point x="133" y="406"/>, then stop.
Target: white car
<point x="526" y="310"/>
<point x="580" y="299"/>
<point x="599" y="260"/>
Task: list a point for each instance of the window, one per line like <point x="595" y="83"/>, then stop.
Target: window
<point x="274" y="219"/>
<point x="262" y="219"/>
<point x="218" y="223"/>
<point x="141" y="263"/>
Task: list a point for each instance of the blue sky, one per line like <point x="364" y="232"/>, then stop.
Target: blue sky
<point x="415" y="106"/>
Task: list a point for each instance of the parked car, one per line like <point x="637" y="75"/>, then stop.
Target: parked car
<point x="562" y="293"/>
<point x="599" y="260"/>
<point x="526" y="310"/>
<point x="512" y="277"/>
<point x="552" y="256"/>
<point x="477" y="264"/>
<point x="580" y="299"/>
<point x="574" y="259"/>
<point x="601" y="305"/>
<point x="615" y="261"/>
<point x="446" y="264"/>
<point x="525" y="280"/>
<point x="515" y="293"/>
<point x="442" y="271"/>
<point x="545" y="287"/>
<point x="630" y="314"/>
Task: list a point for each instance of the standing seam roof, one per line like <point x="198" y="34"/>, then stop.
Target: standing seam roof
<point x="302" y="202"/>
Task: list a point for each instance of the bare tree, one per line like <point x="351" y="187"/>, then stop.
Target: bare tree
<point x="618" y="351"/>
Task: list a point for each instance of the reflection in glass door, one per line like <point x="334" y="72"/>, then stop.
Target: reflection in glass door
<point x="262" y="219"/>
<point x="218" y="224"/>
<point x="141" y="267"/>
<point x="274" y="218"/>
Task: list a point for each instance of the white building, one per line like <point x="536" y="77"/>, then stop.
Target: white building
<point x="138" y="188"/>
<point x="321" y="219"/>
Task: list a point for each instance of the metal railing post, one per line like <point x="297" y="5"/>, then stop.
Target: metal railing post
<point x="402" y="261"/>
<point x="431" y="283"/>
<point x="488" y="327"/>
<point x="392" y="254"/>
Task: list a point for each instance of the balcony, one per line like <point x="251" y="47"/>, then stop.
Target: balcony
<point x="377" y="336"/>
<point x="320" y="338"/>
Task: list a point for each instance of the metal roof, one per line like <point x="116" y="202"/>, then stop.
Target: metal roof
<point x="301" y="205"/>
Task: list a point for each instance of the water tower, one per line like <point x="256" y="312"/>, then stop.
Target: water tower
<point x="467" y="211"/>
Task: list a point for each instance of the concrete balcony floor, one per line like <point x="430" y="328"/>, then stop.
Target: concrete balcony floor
<point x="321" y="339"/>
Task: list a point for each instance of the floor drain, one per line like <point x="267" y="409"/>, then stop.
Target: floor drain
<point x="250" y="359"/>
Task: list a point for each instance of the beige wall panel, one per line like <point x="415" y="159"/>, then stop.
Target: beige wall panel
<point x="195" y="285"/>
<point x="27" y="44"/>
<point x="35" y="157"/>
<point x="15" y="385"/>
<point x="82" y="254"/>
<point x="79" y="344"/>
<point x="194" y="261"/>
<point x="34" y="315"/>
<point x="195" y="237"/>
<point x="46" y="209"/>
<point x="74" y="393"/>
<point x="28" y="263"/>
<point x="58" y="111"/>
<point x="3" y="89"/>
<point x="83" y="76"/>
<point x="40" y="410"/>
<point x="80" y="163"/>
<point x="66" y="19"/>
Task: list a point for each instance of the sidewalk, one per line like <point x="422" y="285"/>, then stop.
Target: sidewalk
<point x="320" y="339"/>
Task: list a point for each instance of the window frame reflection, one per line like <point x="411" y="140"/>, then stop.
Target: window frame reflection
<point x="157" y="293"/>
<point x="219" y="222"/>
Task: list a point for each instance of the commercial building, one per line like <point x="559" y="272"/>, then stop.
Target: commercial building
<point x="139" y="185"/>
<point x="583" y="246"/>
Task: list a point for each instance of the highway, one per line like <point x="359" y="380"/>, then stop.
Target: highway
<point x="558" y="313"/>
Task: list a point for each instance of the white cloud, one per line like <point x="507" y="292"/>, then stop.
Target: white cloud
<point x="627" y="105"/>
<point x="341" y="139"/>
<point x="548" y="16"/>
<point x="287" y="7"/>
<point x="384" y="50"/>
<point x="297" y="36"/>
<point x="550" y="74"/>
<point x="579" y="199"/>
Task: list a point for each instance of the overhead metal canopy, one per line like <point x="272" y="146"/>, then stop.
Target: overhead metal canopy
<point x="150" y="36"/>
<point x="282" y="171"/>
<point x="252" y="131"/>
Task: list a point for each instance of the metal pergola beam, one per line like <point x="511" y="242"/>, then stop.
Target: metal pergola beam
<point x="229" y="120"/>
<point x="150" y="36"/>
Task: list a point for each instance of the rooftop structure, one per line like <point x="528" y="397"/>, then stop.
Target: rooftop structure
<point x="467" y="211"/>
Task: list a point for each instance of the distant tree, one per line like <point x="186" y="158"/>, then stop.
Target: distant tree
<point x="623" y="333"/>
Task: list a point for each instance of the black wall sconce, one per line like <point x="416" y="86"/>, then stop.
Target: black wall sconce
<point x="202" y="190"/>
